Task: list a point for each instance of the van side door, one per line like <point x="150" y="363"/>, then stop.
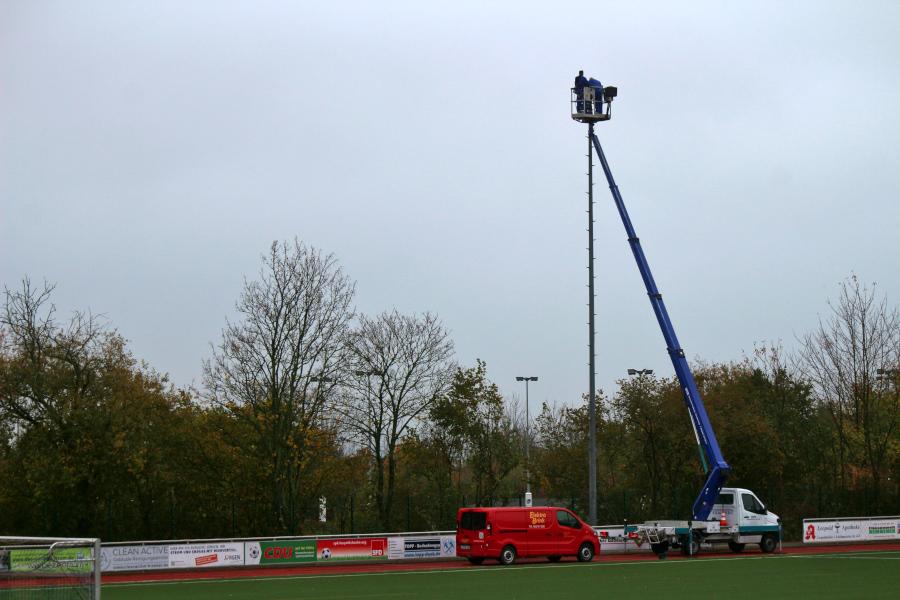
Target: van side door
<point x="542" y="528"/>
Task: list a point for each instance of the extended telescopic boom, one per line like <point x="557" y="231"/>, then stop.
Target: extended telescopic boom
<point x="710" y="455"/>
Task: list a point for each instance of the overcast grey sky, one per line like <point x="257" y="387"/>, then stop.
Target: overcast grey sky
<point x="151" y="151"/>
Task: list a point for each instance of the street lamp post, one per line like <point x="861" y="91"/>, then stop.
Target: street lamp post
<point x="527" y="441"/>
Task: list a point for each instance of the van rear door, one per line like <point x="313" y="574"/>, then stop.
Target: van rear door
<point x="472" y="530"/>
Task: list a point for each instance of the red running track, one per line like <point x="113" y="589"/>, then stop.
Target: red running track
<point x="337" y="569"/>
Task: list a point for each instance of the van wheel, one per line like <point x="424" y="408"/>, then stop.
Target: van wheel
<point x="768" y="543"/>
<point x="736" y="547"/>
<point x="586" y="552"/>
<point x="476" y="560"/>
<point x="554" y="558"/>
<point x="507" y="555"/>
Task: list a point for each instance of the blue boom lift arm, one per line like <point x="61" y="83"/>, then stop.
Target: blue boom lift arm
<point x="710" y="455"/>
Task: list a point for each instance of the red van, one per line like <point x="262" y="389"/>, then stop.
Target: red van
<point x="506" y="533"/>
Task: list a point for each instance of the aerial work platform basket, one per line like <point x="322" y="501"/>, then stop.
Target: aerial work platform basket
<point x="591" y="104"/>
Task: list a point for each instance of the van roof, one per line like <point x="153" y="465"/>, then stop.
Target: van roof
<point x="513" y="508"/>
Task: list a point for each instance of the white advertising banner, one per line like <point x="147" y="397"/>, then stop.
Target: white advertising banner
<point x="216" y="554"/>
<point x="448" y="546"/>
<point x="613" y="539"/>
<point x="851" y="530"/>
<point x="429" y="547"/>
<point x="134" y="558"/>
<point x="883" y="529"/>
<point x="421" y="547"/>
<point x="395" y="548"/>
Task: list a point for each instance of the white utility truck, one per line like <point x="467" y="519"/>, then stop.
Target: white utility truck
<point x="743" y="519"/>
<point x="746" y="519"/>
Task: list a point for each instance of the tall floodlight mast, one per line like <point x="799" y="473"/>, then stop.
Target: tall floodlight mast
<point x="591" y="103"/>
<point x="587" y="100"/>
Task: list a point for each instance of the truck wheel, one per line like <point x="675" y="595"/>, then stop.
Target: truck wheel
<point x="736" y="547"/>
<point x="507" y="555"/>
<point x="476" y="560"/>
<point x="586" y="552"/>
<point x="768" y="543"/>
<point x="554" y="558"/>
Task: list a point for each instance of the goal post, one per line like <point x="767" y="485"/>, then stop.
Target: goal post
<point x="44" y="568"/>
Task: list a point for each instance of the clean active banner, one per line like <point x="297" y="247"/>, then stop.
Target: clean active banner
<point x="134" y="558"/>
<point x="851" y="530"/>
<point x="216" y="554"/>
<point x="352" y="549"/>
<point x="280" y="552"/>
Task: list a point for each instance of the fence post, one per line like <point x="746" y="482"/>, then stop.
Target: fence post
<point x="108" y="517"/>
<point x="690" y="538"/>
<point x="408" y="511"/>
<point x="171" y="513"/>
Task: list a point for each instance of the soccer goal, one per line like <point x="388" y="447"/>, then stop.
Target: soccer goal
<point x="33" y="568"/>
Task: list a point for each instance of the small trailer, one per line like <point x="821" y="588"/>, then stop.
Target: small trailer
<point x="728" y="515"/>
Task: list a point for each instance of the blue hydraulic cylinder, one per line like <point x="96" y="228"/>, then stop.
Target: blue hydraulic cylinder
<point x="714" y="463"/>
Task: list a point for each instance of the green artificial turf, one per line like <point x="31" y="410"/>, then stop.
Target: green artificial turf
<point x="849" y="575"/>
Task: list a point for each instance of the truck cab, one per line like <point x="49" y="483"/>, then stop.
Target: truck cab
<point x="745" y="517"/>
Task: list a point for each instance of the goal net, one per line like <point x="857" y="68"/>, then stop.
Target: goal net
<point x="49" y="568"/>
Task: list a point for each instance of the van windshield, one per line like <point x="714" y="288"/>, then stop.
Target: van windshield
<point x="472" y="520"/>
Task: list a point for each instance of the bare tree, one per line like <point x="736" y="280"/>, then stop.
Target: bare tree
<point x="55" y="364"/>
<point x="400" y="366"/>
<point x="842" y="359"/>
<point x="275" y="367"/>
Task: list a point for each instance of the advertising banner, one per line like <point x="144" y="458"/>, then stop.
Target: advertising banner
<point x="66" y="560"/>
<point x="352" y="549"/>
<point x="134" y="558"/>
<point x="414" y="547"/>
<point x="448" y="546"/>
<point x="443" y="546"/>
<point x="883" y="529"/>
<point x="190" y="556"/>
<point x="613" y="539"/>
<point x="849" y="530"/>
<point x="280" y="552"/>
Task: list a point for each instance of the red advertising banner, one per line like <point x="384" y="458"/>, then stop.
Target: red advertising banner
<point x="352" y="549"/>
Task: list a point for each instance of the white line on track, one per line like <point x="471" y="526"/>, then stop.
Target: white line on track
<point x="498" y="569"/>
<point x="893" y="555"/>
